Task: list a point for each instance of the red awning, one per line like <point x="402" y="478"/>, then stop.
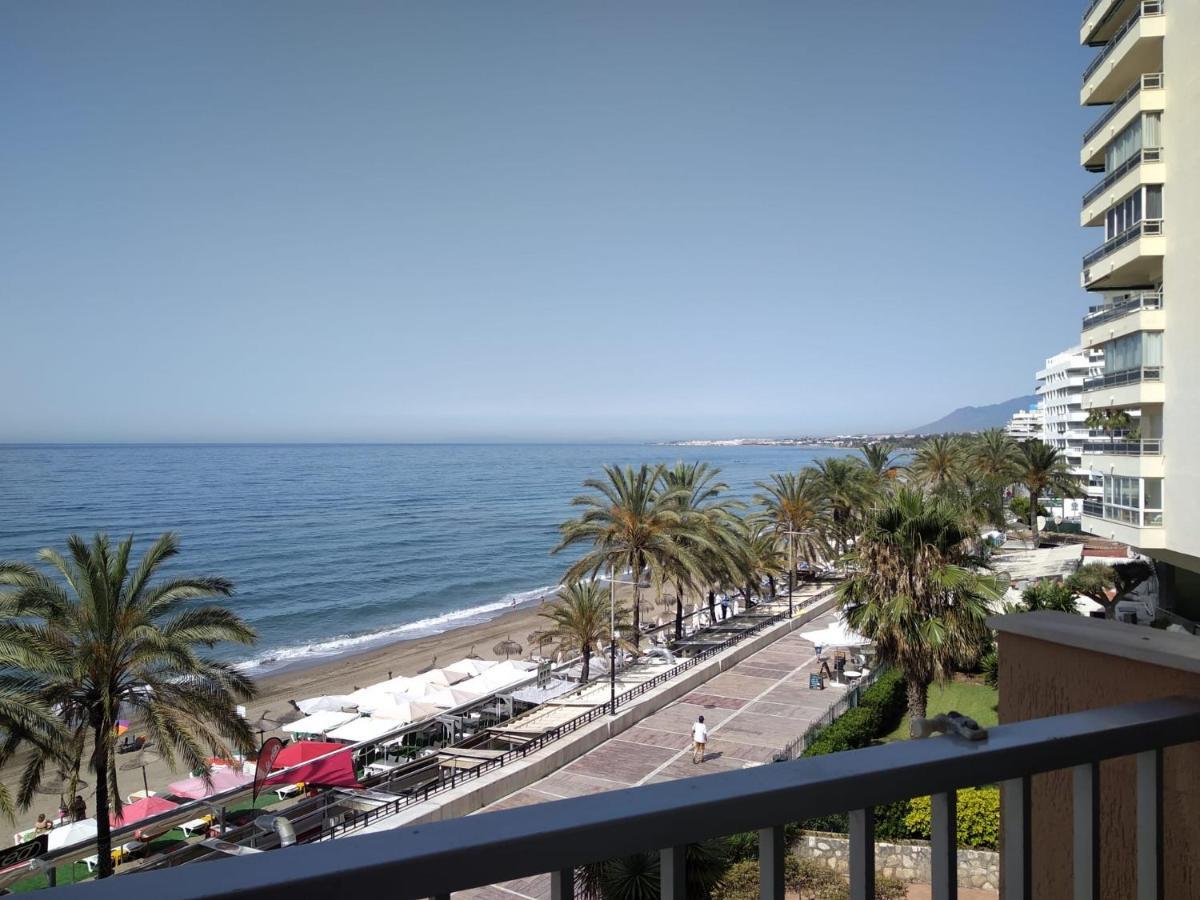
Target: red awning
<point x="336" y="770"/>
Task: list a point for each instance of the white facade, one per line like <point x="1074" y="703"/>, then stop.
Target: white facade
<point x="1025" y="424"/>
<point x="1144" y="85"/>
<point x="1060" y="402"/>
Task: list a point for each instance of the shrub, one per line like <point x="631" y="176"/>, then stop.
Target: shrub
<point x="978" y="817"/>
<point x="806" y="877"/>
<point x="890" y="824"/>
<point x="1049" y="595"/>
<point x="990" y="667"/>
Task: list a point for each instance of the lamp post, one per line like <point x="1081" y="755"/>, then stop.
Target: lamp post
<point x="792" y="565"/>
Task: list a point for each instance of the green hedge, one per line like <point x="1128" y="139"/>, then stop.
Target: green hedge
<point x="978" y="817"/>
<point x="879" y="710"/>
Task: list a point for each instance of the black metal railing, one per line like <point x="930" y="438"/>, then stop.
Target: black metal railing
<point x="1121" y="307"/>
<point x="1128" y="376"/>
<point x="1146" y="154"/>
<point x="439" y="858"/>
<point x="1145" y="8"/>
<point x="1147" y="82"/>
<point x="845" y="703"/>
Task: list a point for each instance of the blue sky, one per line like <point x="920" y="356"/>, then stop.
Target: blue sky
<point x="531" y="220"/>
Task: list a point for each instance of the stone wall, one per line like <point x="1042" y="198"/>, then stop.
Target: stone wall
<point x="910" y="861"/>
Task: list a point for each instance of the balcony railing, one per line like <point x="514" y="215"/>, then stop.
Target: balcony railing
<point x="1124" y="306"/>
<point x="436" y="859"/>
<point x="1145" y="8"/>
<point x="1146" y="154"/>
<point x="1147" y="81"/>
<point x="1128" y="376"/>
<point x="1147" y="447"/>
<point x="1147" y="227"/>
<point x="1138" y="518"/>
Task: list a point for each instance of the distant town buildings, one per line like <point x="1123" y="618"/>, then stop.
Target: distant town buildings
<point x="1025" y="424"/>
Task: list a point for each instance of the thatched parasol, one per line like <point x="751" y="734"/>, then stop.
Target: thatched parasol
<point x="508" y="647"/>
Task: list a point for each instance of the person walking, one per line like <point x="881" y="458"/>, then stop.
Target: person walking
<point x="724" y="607"/>
<point x="699" y="739"/>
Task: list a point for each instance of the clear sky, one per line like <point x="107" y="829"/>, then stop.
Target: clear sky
<point x="531" y="220"/>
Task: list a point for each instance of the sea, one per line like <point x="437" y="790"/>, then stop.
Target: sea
<point x="338" y="548"/>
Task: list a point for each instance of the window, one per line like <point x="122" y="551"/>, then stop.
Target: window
<point x="1127" y="212"/>
<point x="1133" y="351"/>
<point x="1136" y="501"/>
<point x="1144" y="131"/>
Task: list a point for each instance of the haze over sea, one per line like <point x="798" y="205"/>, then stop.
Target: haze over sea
<point x="335" y="548"/>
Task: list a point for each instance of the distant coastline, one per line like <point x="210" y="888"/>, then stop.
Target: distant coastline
<point x="840" y="442"/>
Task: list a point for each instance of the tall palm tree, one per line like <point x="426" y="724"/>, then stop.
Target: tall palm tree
<point x="848" y="493"/>
<point x="995" y="460"/>
<point x="1042" y="468"/>
<point x="793" y="506"/>
<point x="27" y="658"/>
<point x="916" y="590"/>
<point x="938" y="463"/>
<point x="581" y="618"/>
<point x="881" y="463"/>
<point x="134" y="643"/>
<point x="631" y="522"/>
<point x="761" y="556"/>
<point x="704" y="515"/>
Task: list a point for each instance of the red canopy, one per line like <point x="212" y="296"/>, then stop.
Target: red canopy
<point x="142" y="809"/>
<point x="336" y="770"/>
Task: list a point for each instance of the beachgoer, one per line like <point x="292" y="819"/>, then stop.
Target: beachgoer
<point x="699" y="739"/>
<point x="78" y="809"/>
<point x="43" y="824"/>
<point x="724" y="606"/>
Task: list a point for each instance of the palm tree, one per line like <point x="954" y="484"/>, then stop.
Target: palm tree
<point x="794" y="507"/>
<point x="939" y="462"/>
<point x="632" y="523"/>
<point x="27" y="658"/>
<point x="760" y="556"/>
<point x="581" y="619"/>
<point x="1042" y="468"/>
<point x="995" y="459"/>
<point x="848" y="492"/>
<point x="703" y="515"/>
<point x="916" y="590"/>
<point x="881" y="463"/>
<point x="133" y="643"/>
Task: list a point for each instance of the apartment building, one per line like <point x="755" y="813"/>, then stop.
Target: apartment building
<point x="1064" y="421"/>
<point x="1025" y="424"/>
<point x="1144" y="83"/>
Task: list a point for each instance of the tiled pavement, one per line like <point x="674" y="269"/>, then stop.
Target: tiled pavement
<point x="752" y="710"/>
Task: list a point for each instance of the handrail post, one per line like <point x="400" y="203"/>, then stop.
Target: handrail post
<point x="1018" y="839"/>
<point x="672" y="863"/>
<point x="1086" y="789"/>
<point x="772" y="848"/>
<point x="1149" y="825"/>
<point x="562" y="884"/>
<point x="862" y="854"/>
<point x="944" y="845"/>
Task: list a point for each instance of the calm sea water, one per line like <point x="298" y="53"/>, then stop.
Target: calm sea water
<point x="337" y="547"/>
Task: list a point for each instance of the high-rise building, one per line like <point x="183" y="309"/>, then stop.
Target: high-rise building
<point x="1142" y="147"/>
<point x="1064" y="421"/>
<point x="1025" y="424"/>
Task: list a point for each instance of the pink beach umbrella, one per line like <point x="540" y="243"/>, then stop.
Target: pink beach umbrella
<point x="221" y="780"/>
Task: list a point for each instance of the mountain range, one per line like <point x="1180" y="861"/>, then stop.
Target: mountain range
<point x="976" y="418"/>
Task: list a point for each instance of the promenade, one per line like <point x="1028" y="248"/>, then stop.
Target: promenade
<point x="753" y="709"/>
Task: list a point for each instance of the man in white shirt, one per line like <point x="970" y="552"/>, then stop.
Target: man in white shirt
<point x="699" y="739"/>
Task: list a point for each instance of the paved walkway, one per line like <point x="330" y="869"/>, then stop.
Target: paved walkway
<point x="752" y="711"/>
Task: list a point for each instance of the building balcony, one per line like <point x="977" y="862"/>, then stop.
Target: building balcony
<point x="1141" y="528"/>
<point x="1131" y="259"/>
<point x="1132" y="459"/>
<point x="1145" y="167"/>
<point x="1142" y="311"/>
<point x="1135" y="47"/>
<point x="1124" y="390"/>
<point x="1145" y="94"/>
<point x="1102" y="19"/>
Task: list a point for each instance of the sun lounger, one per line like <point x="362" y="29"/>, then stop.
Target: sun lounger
<point x="195" y="826"/>
<point x="290" y="790"/>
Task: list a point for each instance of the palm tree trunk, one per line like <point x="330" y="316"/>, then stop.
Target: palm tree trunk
<point x="1033" y="508"/>
<point x="771" y="582"/>
<point x="103" y="829"/>
<point x="678" y="611"/>
<point x="712" y="605"/>
<point x="637" y="617"/>
<point x="585" y="670"/>
<point x="918" y="698"/>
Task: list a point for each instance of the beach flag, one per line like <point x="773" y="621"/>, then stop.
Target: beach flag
<point x="266" y="761"/>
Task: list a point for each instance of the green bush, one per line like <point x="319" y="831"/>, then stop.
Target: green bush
<point x="1049" y="594"/>
<point x="978" y="817"/>
<point x="806" y="877"/>
<point x="879" y="710"/>
<point x="890" y="824"/>
<point x="989" y="666"/>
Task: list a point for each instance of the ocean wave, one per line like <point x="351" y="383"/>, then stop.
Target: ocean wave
<point x="439" y="624"/>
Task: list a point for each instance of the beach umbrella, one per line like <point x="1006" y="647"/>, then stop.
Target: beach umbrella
<point x="471" y="654"/>
<point x="447" y="697"/>
<point x="329" y="703"/>
<point x="221" y="780"/>
<point x="508" y="647"/>
<point x="73" y="833"/>
<point x="304" y="751"/>
<point x="443" y="677"/>
<point x="121" y="727"/>
<point x="143" y="759"/>
<point x="471" y="666"/>
<point x="142" y="809"/>
<point x="405" y="711"/>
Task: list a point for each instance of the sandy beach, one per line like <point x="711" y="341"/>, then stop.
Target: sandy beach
<point x="341" y="675"/>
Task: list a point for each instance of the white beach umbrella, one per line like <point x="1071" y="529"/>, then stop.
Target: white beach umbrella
<point x="471" y="667"/>
<point x="839" y="634"/>
<point x="405" y="711"/>
<point x="444" y="677"/>
<point x="328" y="703"/>
<point x="73" y="833"/>
<point x="448" y="697"/>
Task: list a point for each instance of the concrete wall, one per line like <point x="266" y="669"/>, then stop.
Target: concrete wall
<point x="1062" y="664"/>
<point x="909" y="861"/>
